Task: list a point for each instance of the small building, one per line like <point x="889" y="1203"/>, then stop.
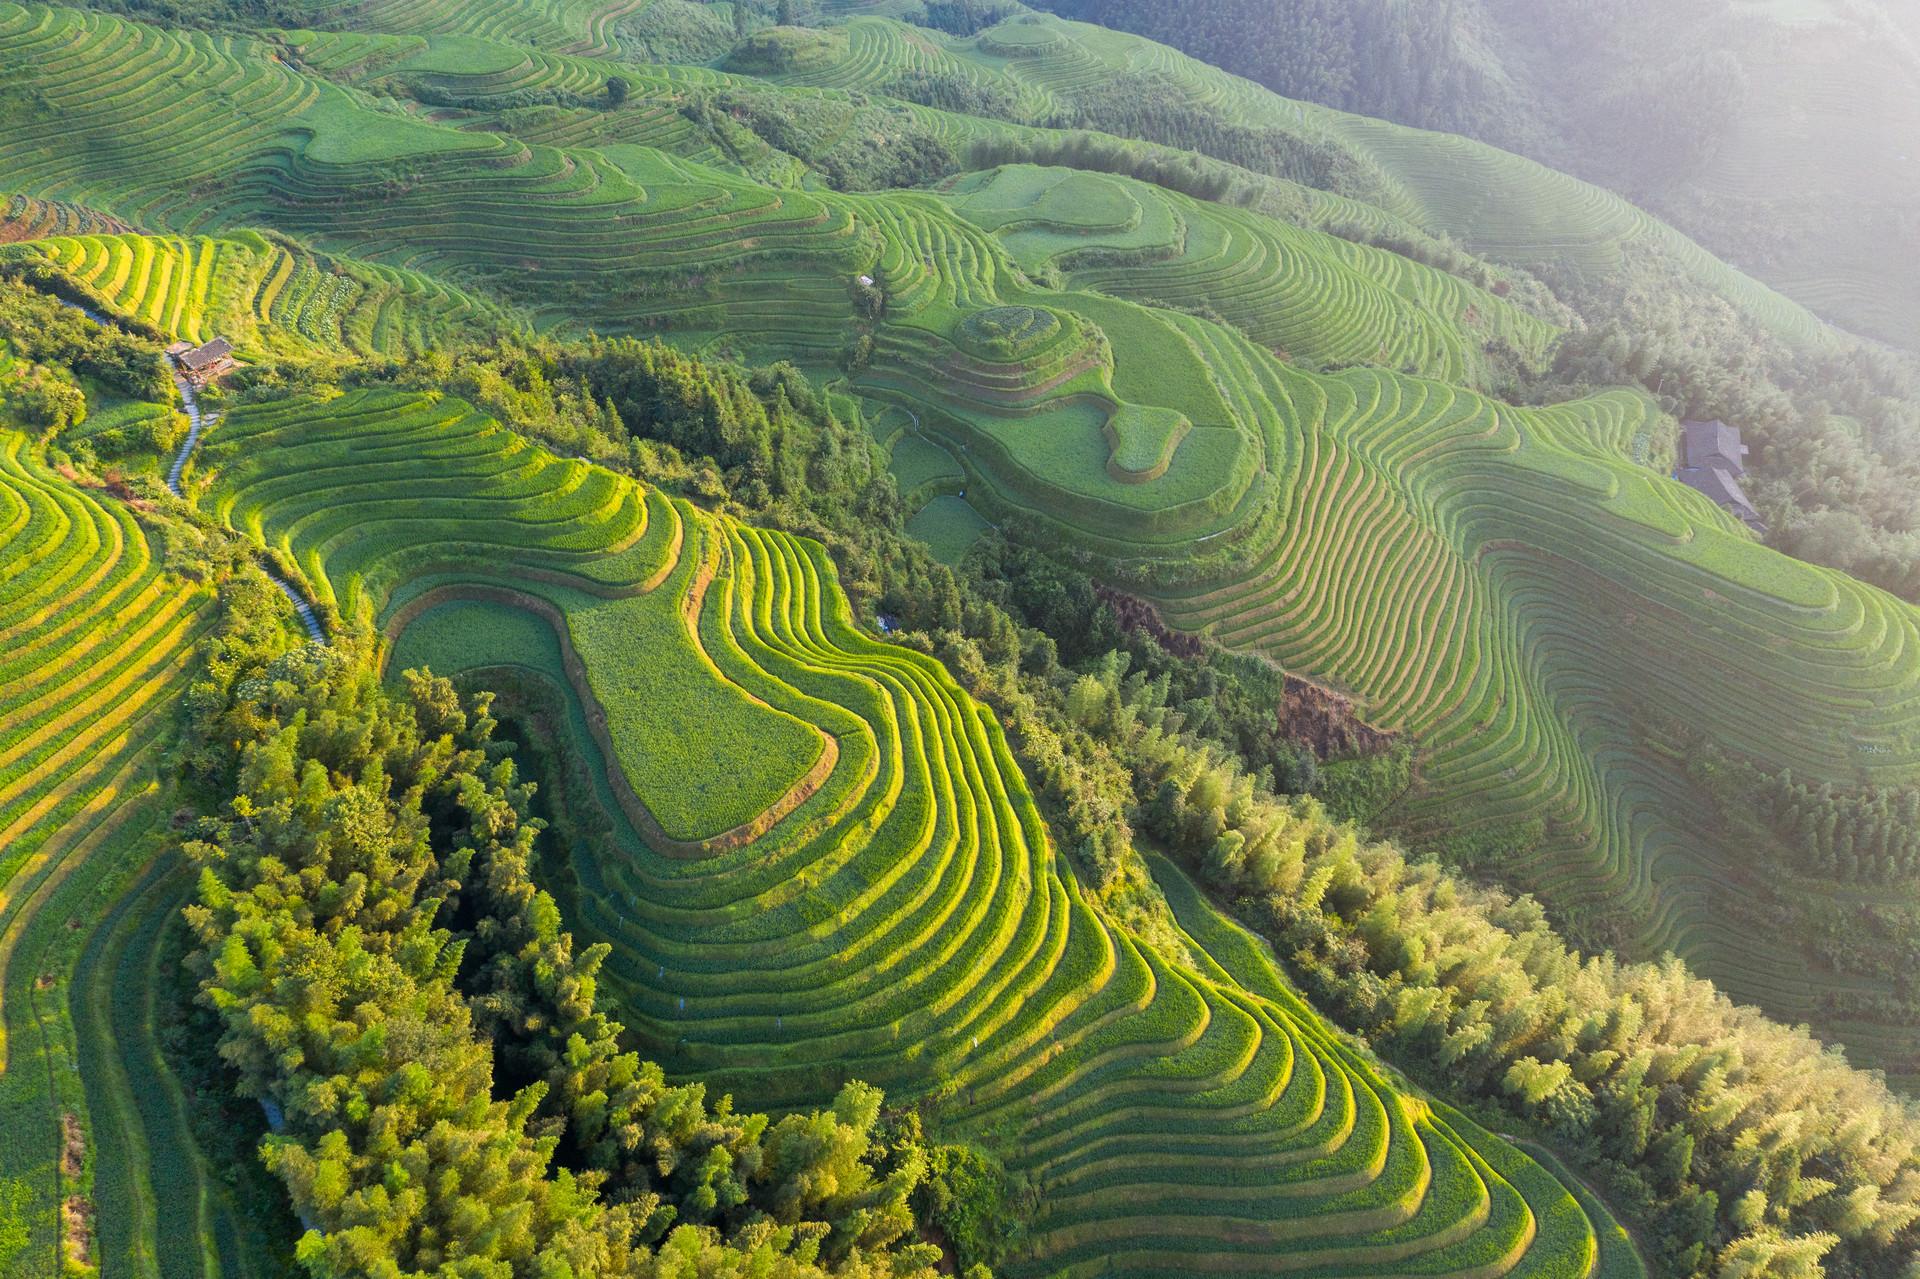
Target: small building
<point x="202" y="364"/>
<point x="1712" y="459"/>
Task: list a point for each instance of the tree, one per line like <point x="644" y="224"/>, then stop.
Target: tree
<point x="386" y="971"/>
<point x="46" y="403"/>
<point x="1768" y="1254"/>
<point x="617" y="90"/>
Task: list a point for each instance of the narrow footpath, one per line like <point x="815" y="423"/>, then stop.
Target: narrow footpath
<point x="197" y="422"/>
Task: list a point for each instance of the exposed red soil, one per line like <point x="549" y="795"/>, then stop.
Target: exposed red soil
<point x="1135" y="614"/>
<point x="73" y="1146"/>
<point x="1326" y="721"/>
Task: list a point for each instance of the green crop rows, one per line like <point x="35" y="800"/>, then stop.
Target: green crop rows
<point x="263" y="294"/>
<point x="1408" y="541"/>
<point x="1315" y="297"/>
<point x="1453" y="562"/>
<point x="1499" y="204"/>
<point x="819" y="859"/>
<point x="1507" y="586"/>
<point x="98" y="642"/>
<point x="904" y="919"/>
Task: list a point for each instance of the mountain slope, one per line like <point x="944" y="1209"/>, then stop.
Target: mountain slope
<point x="1166" y="442"/>
<point x="906" y="921"/>
<point x="1780" y="135"/>
<point x="1218" y="354"/>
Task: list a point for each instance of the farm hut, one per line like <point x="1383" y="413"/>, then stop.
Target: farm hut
<point x="1713" y="457"/>
<point x="202" y="364"/>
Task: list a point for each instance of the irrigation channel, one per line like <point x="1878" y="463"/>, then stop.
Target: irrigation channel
<point x="197" y="422"/>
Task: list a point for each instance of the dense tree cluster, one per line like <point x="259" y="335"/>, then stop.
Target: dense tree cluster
<point x="677" y="31"/>
<point x="1867" y="941"/>
<point x="392" y="985"/>
<point x="37" y="329"/>
<point x="519" y="99"/>
<point x="1869" y="836"/>
<point x="1304" y="49"/>
<point x="764" y="438"/>
<point x="1740" y="1142"/>
<point x="890" y="148"/>
<point x="951" y="91"/>
<point x="964" y="17"/>
<point x="1152" y="107"/>
<point x="1836" y="433"/>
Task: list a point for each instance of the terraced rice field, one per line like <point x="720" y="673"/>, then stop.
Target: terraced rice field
<point x="586" y="27"/>
<point x="98" y="645"/>
<point x="265" y="295"/>
<point x="1514" y="210"/>
<point x="1462" y="567"/>
<point x="530" y="216"/>
<point x="25" y="218"/>
<point x="712" y="252"/>
<point x="907" y="920"/>
<point x="1496" y="203"/>
<point x="802" y="821"/>
<point x="1508" y="587"/>
<point x="645" y="242"/>
<point x="1313" y="296"/>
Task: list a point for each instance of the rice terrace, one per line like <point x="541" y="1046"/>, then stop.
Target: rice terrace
<point x="887" y="638"/>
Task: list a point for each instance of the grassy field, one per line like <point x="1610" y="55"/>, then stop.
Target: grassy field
<point x="949" y="526"/>
<point x="906" y="920"/>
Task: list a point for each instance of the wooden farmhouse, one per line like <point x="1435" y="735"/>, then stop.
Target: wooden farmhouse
<point x="202" y="364"/>
<point x="1712" y="459"/>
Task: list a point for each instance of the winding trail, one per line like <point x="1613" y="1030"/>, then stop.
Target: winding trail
<point x="196" y="424"/>
<point x="198" y="421"/>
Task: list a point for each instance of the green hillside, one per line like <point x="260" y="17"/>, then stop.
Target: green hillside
<point x="1776" y="132"/>
<point x="906" y="922"/>
<point x="1059" y="449"/>
<point x="95" y="1119"/>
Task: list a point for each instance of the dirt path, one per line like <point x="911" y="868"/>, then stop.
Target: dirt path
<point x="197" y="422"/>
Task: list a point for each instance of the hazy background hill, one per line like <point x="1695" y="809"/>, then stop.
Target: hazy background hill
<point x="1783" y="134"/>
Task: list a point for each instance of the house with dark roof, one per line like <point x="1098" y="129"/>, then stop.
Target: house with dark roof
<point x="202" y="364"/>
<point x="1712" y="459"/>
